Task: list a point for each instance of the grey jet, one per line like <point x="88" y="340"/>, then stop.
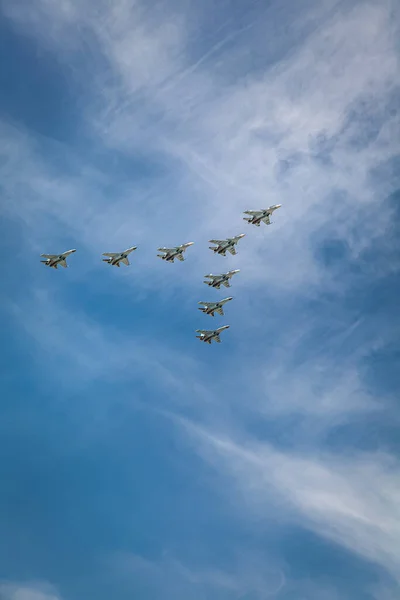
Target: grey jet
<point x="169" y="254"/>
<point x="207" y="336"/>
<point x="264" y="214"/>
<point x="53" y="260"/>
<point x="115" y="258"/>
<point x="218" y="280"/>
<point x="209" y="308"/>
<point x="226" y="245"/>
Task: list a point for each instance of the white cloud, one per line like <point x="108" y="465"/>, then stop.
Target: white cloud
<point x="30" y="591"/>
<point x="352" y="499"/>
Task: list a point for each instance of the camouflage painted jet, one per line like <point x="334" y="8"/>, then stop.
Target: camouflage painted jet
<point x="208" y="336"/>
<point x="256" y="216"/>
<point x="115" y="258"/>
<point x="226" y="245"/>
<point x="53" y="260"/>
<point x="217" y="280"/>
<point x="169" y="254"/>
<point x="209" y="308"/>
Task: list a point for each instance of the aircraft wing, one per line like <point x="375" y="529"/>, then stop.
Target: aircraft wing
<point x="111" y="254"/>
<point x="166" y="250"/>
<point x="50" y="255"/>
<point x="253" y="213"/>
<point x="180" y="257"/>
<point x="204" y="303"/>
<point x="218" y="242"/>
<point x="220" y="311"/>
<point x="267" y="220"/>
<point x="125" y="261"/>
<point x="202" y="331"/>
<point x="232" y="250"/>
<point x="217" y="339"/>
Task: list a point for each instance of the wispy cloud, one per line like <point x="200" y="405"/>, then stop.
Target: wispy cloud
<point x="350" y="499"/>
<point x="29" y="591"/>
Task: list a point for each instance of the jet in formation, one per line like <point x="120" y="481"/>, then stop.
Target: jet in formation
<point x="53" y="260"/>
<point x="169" y="254"/>
<point x="209" y="308"/>
<point x="224" y="246"/>
<point x="207" y="336"/>
<point x="217" y="280"/>
<point x="115" y="258"/>
<point x="256" y="216"/>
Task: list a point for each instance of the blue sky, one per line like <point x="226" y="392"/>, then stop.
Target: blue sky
<point x="136" y="462"/>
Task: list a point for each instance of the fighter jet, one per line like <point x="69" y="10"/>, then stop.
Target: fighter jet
<point x="226" y="245"/>
<point x="169" y="254"/>
<point x="218" y="280"/>
<point x="208" y="336"/>
<point x="256" y="216"/>
<point x="53" y="260"/>
<point x="209" y="308"/>
<point x="115" y="258"/>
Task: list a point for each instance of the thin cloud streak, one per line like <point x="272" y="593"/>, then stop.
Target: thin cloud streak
<point x="352" y="500"/>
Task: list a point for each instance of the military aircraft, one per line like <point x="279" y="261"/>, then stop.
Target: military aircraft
<point x="53" y="260"/>
<point x="115" y="258"/>
<point x="169" y="254"/>
<point x="208" y="336"/>
<point x="226" y="245"/>
<point x="218" y="280"/>
<point x="256" y="216"/>
<point x="209" y="308"/>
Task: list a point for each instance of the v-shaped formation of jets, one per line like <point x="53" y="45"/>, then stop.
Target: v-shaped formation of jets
<point x="170" y="254"/>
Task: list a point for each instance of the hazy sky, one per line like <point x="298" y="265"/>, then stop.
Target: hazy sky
<point x="135" y="461"/>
